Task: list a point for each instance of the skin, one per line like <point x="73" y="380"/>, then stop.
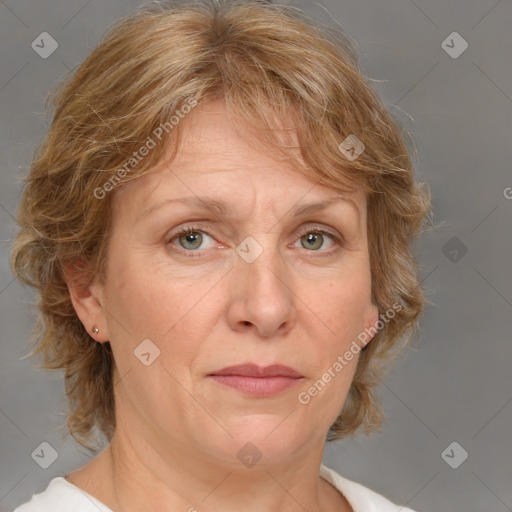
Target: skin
<point x="178" y="431"/>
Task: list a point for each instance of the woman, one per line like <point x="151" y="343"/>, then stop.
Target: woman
<point x="219" y="226"/>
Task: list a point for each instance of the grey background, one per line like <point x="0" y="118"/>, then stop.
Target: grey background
<point x="455" y="384"/>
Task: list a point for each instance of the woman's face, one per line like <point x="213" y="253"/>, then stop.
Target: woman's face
<point x="257" y="283"/>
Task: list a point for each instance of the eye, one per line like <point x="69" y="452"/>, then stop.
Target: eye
<point x="190" y="239"/>
<point x="314" y="238"/>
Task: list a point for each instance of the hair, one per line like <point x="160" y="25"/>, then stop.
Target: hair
<point x="265" y="62"/>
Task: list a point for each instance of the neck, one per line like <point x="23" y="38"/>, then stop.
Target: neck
<point x="132" y="474"/>
<point x="195" y="484"/>
<point x="128" y="479"/>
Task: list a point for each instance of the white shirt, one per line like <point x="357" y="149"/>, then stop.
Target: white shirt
<point x="63" y="496"/>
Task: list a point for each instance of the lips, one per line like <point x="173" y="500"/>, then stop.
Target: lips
<point x="258" y="381"/>
<point x="253" y="370"/>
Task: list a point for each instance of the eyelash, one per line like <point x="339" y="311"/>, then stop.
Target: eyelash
<point x="337" y="239"/>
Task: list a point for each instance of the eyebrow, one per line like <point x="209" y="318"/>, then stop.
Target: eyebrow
<point x="222" y="208"/>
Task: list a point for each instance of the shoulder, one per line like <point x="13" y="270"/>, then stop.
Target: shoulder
<point x="62" y="496"/>
<point x="361" y="498"/>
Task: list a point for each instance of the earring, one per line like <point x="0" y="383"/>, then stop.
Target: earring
<point x="95" y="330"/>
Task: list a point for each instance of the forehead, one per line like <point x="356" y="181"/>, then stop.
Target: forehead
<point x="219" y="158"/>
<point x="208" y="119"/>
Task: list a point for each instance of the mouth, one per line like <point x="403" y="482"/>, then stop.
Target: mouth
<point x="258" y="381"/>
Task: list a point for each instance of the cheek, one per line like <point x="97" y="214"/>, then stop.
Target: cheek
<point x="343" y="306"/>
<point x="173" y="315"/>
<point x="171" y="312"/>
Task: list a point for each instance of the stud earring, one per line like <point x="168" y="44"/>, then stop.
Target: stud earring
<point x="95" y="330"/>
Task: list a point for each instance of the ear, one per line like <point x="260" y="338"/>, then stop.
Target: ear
<point x="87" y="299"/>
<point x="371" y="317"/>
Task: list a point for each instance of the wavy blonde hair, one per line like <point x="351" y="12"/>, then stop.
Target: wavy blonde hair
<point x="263" y="60"/>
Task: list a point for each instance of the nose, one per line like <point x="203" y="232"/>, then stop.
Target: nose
<point x="262" y="299"/>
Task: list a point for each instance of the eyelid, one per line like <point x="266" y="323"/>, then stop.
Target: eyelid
<point x="336" y="237"/>
<point x="323" y="229"/>
<point x="304" y="229"/>
<point x="188" y="228"/>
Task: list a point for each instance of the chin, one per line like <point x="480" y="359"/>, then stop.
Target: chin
<point x="268" y="434"/>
